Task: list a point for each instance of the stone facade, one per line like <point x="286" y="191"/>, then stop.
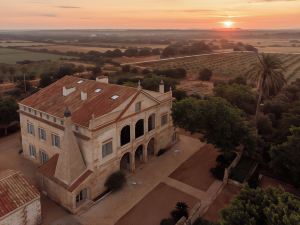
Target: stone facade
<point x="128" y="135"/>
<point x="19" y="200"/>
<point x="27" y="215"/>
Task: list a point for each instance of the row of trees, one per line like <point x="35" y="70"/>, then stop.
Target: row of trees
<point x="186" y="48"/>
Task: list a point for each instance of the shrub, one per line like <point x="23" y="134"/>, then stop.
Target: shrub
<point x="205" y="74"/>
<point x="264" y="125"/>
<point x="201" y="221"/>
<point x="218" y="172"/>
<point x="161" y="152"/>
<point x="126" y="69"/>
<point x="168" y="221"/>
<point x="179" y="94"/>
<point x="115" y="181"/>
<point x="180" y="211"/>
<point x="242" y="80"/>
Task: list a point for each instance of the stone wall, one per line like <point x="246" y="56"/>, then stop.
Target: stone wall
<point x="194" y="215"/>
<point x="29" y="214"/>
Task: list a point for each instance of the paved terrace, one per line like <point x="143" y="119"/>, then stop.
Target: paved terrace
<point x="181" y="174"/>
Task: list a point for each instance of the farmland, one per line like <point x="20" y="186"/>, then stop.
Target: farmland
<point x="11" y="56"/>
<point x="69" y="48"/>
<point x="15" y="43"/>
<point x="224" y="66"/>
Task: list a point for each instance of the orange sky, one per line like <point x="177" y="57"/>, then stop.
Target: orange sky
<point x="181" y="14"/>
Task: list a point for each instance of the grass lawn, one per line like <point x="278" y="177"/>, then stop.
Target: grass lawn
<point x="240" y="172"/>
<point x="11" y="56"/>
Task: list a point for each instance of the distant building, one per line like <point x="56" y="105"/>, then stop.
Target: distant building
<point x="19" y="200"/>
<point x="81" y="131"/>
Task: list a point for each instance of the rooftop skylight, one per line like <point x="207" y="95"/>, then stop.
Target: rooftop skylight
<point x="114" y="97"/>
<point x="79" y="82"/>
<point x="98" y="90"/>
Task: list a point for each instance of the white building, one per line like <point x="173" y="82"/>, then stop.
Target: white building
<point x="81" y="131"/>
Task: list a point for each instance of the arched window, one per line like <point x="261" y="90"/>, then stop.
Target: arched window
<point x="139" y="128"/>
<point x="151" y="122"/>
<point x="125" y="135"/>
<point x="125" y="162"/>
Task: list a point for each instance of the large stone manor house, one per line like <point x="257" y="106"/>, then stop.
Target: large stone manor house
<point x="81" y="131"/>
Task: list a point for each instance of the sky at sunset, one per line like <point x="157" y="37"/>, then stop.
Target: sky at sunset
<point x="175" y="14"/>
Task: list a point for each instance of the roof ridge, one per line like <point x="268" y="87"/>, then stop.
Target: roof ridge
<point x="8" y="173"/>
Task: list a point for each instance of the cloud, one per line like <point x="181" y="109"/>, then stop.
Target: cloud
<point x="68" y="7"/>
<point x="255" y="1"/>
<point x="47" y="15"/>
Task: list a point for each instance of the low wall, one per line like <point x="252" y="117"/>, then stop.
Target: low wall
<point x="232" y="165"/>
<point x="194" y="215"/>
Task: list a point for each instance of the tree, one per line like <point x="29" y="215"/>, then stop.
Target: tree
<point x="168" y="221"/>
<point x="205" y="74"/>
<point x="201" y="221"/>
<point x="126" y="69"/>
<point x="221" y="124"/>
<point x="8" y="111"/>
<point x="270" y="78"/>
<point x="181" y="210"/>
<point x="45" y="80"/>
<point x="264" y="125"/>
<point x="238" y="95"/>
<point x="262" y="207"/>
<point x="23" y="86"/>
<point x="152" y="83"/>
<point x="285" y="157"/>
<point x="97" y="70"/>
<point x="179" y="94"/>
<point x="115" y="181"/>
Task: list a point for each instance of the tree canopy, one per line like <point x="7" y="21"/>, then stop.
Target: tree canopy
<point x="285" y="157"/>
<point x="221" y="123"/>
<point x="8" y="110"/>
<point x="238" y="95"/>
<point x="262" y="207"/>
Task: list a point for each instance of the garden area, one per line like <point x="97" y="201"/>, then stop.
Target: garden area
<point x="241" y="172"/>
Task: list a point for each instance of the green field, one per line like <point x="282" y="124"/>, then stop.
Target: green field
<point x="11" y="56"/>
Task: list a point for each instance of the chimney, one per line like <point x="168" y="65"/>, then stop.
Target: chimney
<point x="83" y="96"/>
<point x="102" y="79"/>
<point x="161" y="87"/>
<point x="67" y="91"/>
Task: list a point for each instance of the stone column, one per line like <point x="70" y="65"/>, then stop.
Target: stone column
<point x="132" y="162"/>
<point x="145" y="154"/>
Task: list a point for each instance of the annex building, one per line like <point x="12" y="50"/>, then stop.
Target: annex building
<point x="19" y="200"/>
<point x="80" y="131"/>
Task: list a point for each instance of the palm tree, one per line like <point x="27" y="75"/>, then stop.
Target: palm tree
<point x="270" y="78"/>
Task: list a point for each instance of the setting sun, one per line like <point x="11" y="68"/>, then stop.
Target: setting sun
<point x="228" y="23"/>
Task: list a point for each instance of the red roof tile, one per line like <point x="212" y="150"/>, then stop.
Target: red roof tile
<point x="52" y="101"/>
<point x="15" y="191"/>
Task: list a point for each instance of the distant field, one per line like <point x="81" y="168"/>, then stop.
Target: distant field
<point x="11" y="56"/>
<point x="137" y="45"/>
<point x="125" y="59"/>
<point x="224" y="66"/>
<point x="273" y="45"/>
<point x="69" y="48"/>
<point x="21" y="44"/>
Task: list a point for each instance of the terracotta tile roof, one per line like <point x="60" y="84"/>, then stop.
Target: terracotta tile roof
<point x="15" y="191"/>
<point x="52" y="101"/>
<point x="48" y="170"/>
